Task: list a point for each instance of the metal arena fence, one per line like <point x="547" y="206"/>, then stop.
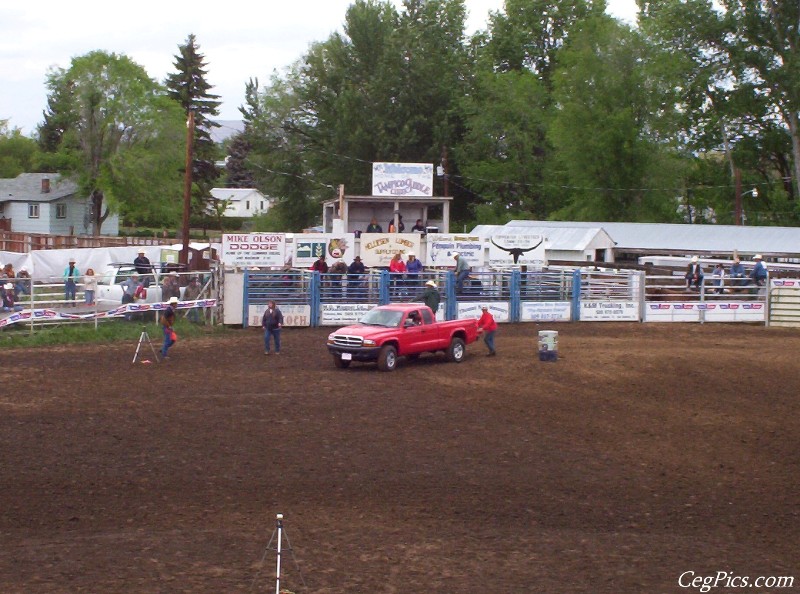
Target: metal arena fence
<point x="514" y="295"/>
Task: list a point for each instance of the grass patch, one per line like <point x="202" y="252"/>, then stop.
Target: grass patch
<point x="19" y="336"/>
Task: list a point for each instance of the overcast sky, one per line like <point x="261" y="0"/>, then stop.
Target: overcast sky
<point x="239" y="39"/>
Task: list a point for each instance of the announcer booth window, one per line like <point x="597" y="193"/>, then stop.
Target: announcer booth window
<point x="61" y="211"/>
<point x="33" y="211"/>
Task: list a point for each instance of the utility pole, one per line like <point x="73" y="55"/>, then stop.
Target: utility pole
<point x="737" y="209"/>
<point x="187" y="188"/>
<point x="444" y="171"/>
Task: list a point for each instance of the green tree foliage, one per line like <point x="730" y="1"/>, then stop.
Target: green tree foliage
<point x="119" y="134"/>
<point x="607" y="155"/>
<point x="188" y="87"/>
<point x="18" y="153"/>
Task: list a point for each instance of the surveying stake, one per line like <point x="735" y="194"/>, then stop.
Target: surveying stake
<point x="278" y="535"/>
<point x="144" y="336"/>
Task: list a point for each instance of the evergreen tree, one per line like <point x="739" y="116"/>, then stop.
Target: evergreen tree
<point x="188" y="86"/>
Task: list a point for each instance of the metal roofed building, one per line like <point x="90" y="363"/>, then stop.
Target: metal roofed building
<point x="671" y="239"/>
<point x="570" y="243"/>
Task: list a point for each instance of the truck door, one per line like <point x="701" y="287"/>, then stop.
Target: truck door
<point x="412" y="338"/>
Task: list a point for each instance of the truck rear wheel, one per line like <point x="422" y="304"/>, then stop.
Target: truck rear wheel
<point x="340" y="363"/>
<point x="456" y="351"/>
<point x="387" y="358"/>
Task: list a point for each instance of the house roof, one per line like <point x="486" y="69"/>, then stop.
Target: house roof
<point x="566" y="238"/>
<point x="688" y="239"/>
<point x="235" y="194"/>
<point x="27" y="187"/>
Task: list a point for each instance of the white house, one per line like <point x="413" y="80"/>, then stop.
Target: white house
<point x="47" y="203"/>
<point x="242" y="202"/>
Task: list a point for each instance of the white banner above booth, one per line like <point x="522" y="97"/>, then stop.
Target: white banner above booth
<point x="378" y="248"/>
<point x="442" y="245"/>
<point x="310" y="246"/>
<point x="402" y="179"/>
<point x="516" y="250"/>
<point x="254" y="249"/>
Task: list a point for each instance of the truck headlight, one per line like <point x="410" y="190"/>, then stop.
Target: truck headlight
<point x="368" y="342"/>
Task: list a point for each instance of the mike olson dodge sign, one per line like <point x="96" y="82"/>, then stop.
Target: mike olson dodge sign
<point x="254" y="249"/>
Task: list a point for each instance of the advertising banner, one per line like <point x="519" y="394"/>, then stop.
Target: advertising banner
<point x="442" y="245"/>
<point x="343" y="314"/>
<point x="402" y="179"/>
<point x="499" y="310"/>
<point x="293" y="315"/>
<point x="738" y="311"/>
<point x="609" y="311"/>
<point x="545" y="311"/>
<point x="309" y="246"/>
<point x="516" y="250"/>
<point x="253" y="249"/>
<point x="378" y="248"/>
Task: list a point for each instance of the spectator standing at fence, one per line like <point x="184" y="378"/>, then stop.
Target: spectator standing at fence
<point x="737" y="273"/>
<point x="89" y="286"/>
<point x="759" y="274"/>
<point x="71" y="275"/>
<point x="272" y="322"/>
<point x="320" y="265"/>
<point x="8" y="271"/>
<point x="167" y="323"/>
<point x="719" y="278"/>
<point x="355" y="276"/>
<point x="488" y="326"/>
<point x="339" y="268"/>
<point x="694" y="273"/>
<point x="374" y="227"/>
<point x="430" y="296"/>
<point x="413" y="269"/>
<point x="192" y="293"/>
<point x="462" y="271"/>
<point x="397" y="269"/>
<point x="9" y="300"/>
<point x="170" y="287"/>
<point x="23" y="284"/>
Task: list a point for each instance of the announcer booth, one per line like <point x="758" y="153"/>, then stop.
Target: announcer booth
<point x="398" y="190"/>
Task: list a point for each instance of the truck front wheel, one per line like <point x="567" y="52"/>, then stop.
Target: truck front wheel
<point x="456" y="350"/>
<point x="340" y="363"/>
<point x="387" y="358"/>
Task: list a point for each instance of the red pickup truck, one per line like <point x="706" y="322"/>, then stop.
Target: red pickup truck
<point x="408" y="330"/>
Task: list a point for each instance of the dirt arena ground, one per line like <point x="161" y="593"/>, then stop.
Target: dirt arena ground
<point x="644" y="452"/>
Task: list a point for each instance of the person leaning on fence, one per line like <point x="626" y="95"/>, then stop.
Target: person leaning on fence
<point x="9" y="300"/>
<point x="694" y="273"/>
<point x="23" y="284"/>
<point x="167" y="322"/>
<point x="430" y="296"/>
<point x="737" y="274"/>
<point x="192" y="293"/>
<point x="759" y="274"/>
<point x="272" y="322"/>
<point x="355" y="276"/>
<point x="170" y="287"/>
<point x="397" y="270"/>
<point x="488" y="325"/>
<point x="70" y="281"/>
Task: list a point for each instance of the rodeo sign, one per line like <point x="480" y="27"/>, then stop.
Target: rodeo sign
<point x="402" y="179"/>
<point x="254" y="249"/>
<point x="310" y="246"/>
<point x="442" y="245"/>
<point x="506" y="251"/>
<point x="377" y="249"/>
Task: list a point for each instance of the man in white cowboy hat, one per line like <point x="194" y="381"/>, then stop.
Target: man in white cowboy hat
<point x="8" y="298"/>
<point x="430" y="296"/>
<point x="694" y="273"/>
<point x="71" y="275"/>
<point x="167" y="321"/>
<point x="462" y="271"/>
<point x="759" y="274"/>
<point x="144" y="268"/>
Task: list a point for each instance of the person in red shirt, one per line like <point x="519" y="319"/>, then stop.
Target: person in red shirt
<point x="397" y="269"/>
<point x="488" y="326"/>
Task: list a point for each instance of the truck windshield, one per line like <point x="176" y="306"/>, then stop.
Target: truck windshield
<point x="382" y="317"/>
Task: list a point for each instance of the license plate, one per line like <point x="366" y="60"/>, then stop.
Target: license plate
<point x="347" y="356"/>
